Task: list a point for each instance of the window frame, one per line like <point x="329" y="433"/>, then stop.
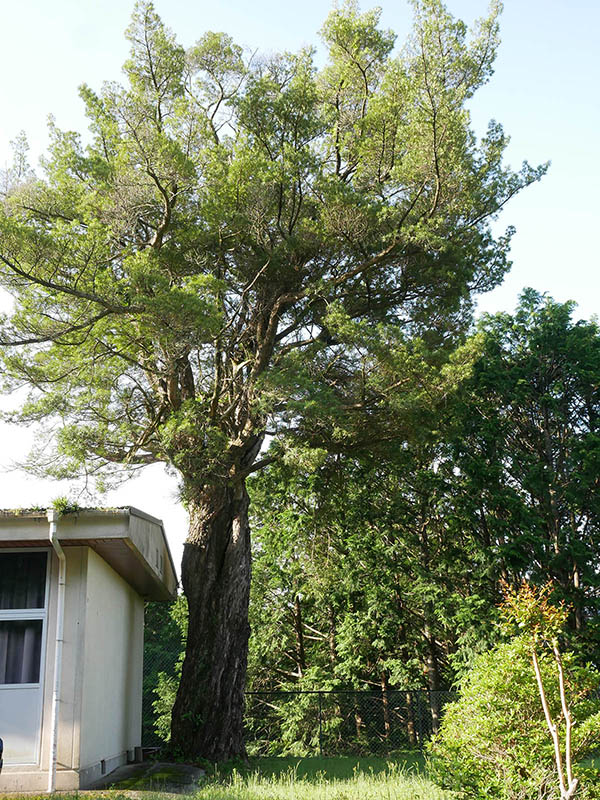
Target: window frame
<point x="25" y="614"/>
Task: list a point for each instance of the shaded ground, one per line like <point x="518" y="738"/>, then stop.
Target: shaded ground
<point x="153" y="776"/>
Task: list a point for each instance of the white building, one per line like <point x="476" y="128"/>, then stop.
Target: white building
<point x="72" y="591"/>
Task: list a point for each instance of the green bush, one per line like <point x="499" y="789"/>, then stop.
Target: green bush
<point x="165" y="684"/>
<point x="494" y="740"/>
<point x="166" y="691"/>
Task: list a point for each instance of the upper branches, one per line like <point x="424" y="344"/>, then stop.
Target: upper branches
<point x="227" y="211"/>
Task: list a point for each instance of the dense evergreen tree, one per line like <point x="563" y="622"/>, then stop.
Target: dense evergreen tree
<point x="367" y="574"/>
<point x="384" y="571"/>
<point x="244" y="248"/>
<point x="527" y="443"/>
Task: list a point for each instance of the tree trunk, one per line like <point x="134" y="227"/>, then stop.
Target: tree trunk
<point x="433" y="679"/>
<point x="410" y="720"/>
<point x="207" y="719"/>
<point x="385" y="699"/>
<point x="300" y="651"/>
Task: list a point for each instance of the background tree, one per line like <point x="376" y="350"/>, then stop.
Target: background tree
<point x="205" y="270"/>
<point x="526" y="442"/>
<point x="366" y="574"/>
<point x="388" y="567"/>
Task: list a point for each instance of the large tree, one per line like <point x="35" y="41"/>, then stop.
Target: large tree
<point x="526" y="445"/>
<point x="200" y="272"/>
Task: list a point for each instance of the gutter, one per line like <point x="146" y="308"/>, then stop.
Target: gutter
<point x="60" y="617"/>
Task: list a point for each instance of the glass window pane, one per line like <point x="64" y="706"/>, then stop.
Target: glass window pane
<point x="20" y="650"/>
<point x="22" y="580"/>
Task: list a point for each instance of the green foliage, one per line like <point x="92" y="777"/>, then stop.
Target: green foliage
<point x="347" y="556"/>
<point x="165" y="645"/>
<point x="165" y="689"/>
<point x="389" y="567"/>
<point x="494" y="742"/>
<point x="526" y="443"/>
<point x="65" y="506"/>
<point x="162" y="649"/>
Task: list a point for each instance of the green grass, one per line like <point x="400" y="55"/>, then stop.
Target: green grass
<point x="341" y="778"/>
<point x="368" y="778"/>
<point x="334" y="767"/>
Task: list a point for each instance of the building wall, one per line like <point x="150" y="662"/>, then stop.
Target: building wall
<point x="35" y="777"/>
<point x="111" y="705"/>
<point x="69" y="712"/>
<point x="100" y="705"/>
<point x="72" y="659"/>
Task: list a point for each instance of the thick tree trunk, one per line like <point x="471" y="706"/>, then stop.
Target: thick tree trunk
<point x="207" y="719"/>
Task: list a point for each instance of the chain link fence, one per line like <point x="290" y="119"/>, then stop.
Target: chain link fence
<point x="300" y="723"/>
<point x="293" y="722"/>
<point x="315" y="722"/>
<point x="328" y="723"/>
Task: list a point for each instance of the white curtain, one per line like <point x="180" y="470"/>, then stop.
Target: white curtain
<point x="20" y="650"/>
<point x="22" y="588"/>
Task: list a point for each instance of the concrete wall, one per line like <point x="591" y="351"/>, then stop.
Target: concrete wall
<point x="111" y="705"/>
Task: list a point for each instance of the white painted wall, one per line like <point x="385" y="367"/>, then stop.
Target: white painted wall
<point x="69" y="711"/>
<point x="111" y="706"/>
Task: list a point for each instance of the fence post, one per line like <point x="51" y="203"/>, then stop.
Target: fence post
<point x="320" y="727"/>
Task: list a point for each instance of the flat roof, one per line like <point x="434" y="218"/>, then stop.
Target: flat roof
<point x="131" y="541"/>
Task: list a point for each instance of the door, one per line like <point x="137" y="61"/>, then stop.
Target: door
<point x="23" y="603"/>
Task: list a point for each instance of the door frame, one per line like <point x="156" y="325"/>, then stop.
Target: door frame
<point x="32" y="614"/>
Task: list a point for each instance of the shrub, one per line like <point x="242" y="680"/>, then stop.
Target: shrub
<point x="494" y="740"/>
<point x="167" y="683"/>
<point x="166" y="691"/>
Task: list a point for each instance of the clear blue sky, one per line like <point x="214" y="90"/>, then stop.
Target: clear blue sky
<point x="545" y="91"/>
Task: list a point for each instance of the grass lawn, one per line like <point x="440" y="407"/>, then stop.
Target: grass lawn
<point x="337" y="778"/>
<point x="313" y="768"/>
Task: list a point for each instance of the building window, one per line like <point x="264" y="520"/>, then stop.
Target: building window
<point x="22" y="615"/>
<point x="20" y="650"/>
<point x="22" y="580"/>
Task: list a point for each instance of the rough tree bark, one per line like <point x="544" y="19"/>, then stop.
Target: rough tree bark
<point x="214" y="670"/>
